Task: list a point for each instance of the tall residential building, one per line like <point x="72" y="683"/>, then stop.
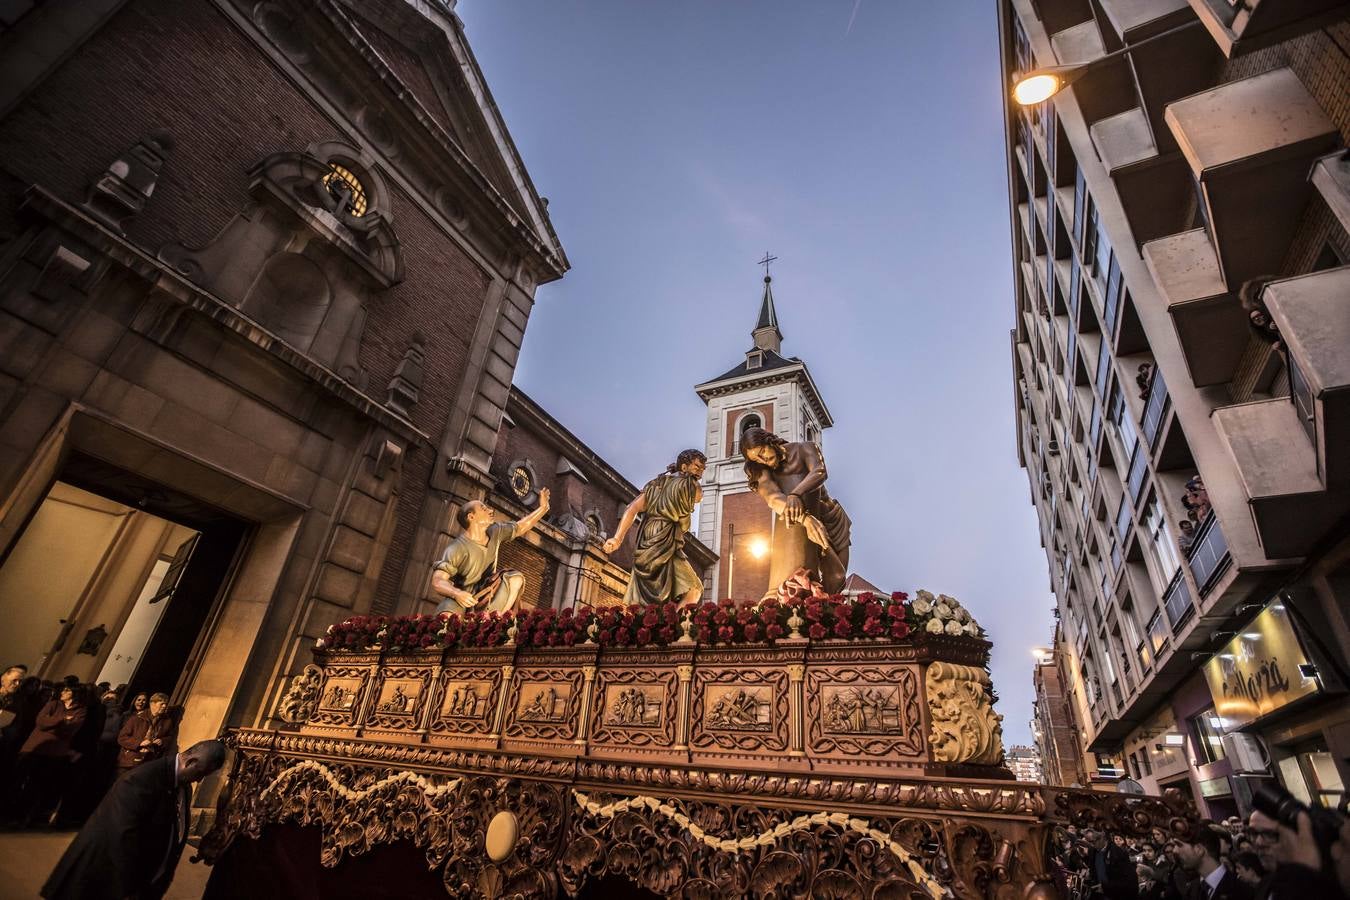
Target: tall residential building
<point x="1025" y="763"/>
<point x="1054" y="727"/>
<point x="765" y="390"/>
<point x="1188" y="442"/>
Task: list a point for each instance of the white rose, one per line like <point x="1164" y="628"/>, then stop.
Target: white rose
<point x="922" y="607"/>
<point x="935" y="626"/>
<point x="971" y="629"/>
<point x="320" y="644"/>
<point x="954" y="627"/>
<point x="963" y="615"/>
<point x="926" y="597"/>
<point x="942" y="611"/>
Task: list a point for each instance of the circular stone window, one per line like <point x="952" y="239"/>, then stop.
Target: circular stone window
<point x="346" y="190"/>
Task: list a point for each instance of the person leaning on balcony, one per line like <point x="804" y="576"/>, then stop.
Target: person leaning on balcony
<point x="147" y="735"/>
<point x="467" y="575"/>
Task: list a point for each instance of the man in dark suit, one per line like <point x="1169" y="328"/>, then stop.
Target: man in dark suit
<point x="1200" y="854"/>
<point x="131" y="844"/>
<point x="1111" y="869"/>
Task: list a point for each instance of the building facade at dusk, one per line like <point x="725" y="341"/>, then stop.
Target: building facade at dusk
<point x="1025" y="763"/>
<point x="262" y="297"/>
<point x="1054" y="726"/>
<point x="1181" y="356"/>
<point x="766" y="390"/>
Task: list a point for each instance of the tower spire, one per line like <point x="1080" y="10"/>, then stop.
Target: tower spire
<point x="766" y="333"/>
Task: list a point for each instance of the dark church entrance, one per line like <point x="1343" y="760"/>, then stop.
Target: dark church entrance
<point x="115" y="579"/>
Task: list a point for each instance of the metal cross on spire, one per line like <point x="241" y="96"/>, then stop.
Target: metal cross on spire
<point x="765" y="262"/>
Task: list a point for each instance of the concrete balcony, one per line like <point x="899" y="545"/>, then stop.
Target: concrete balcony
<point x="1209" y="321"/>
<point x="1278" y="469"/>
<point x="1253" y="24"/>
<point x="1250" y="145"/>
<point x="1331" y="178"/>
<point x="1152" y="187"/>
<point x="1313" y="314"/>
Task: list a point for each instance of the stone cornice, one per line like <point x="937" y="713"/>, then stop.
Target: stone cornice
<point x="795" y="372"/>
<point x="41" y="203"/>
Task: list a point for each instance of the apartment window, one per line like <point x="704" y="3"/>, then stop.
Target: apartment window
<point x="1206" y="732"/>
<point x="1101" y="249"/>
<point x="1157" y="633"/>
<point x="1103" y="367"/>
<point x="1144" y="762"/>
<point x="1115" y="288"/>
<point x="1163" y="546"/>
<point x="1123" y="519"/>
<point x="1080" y="201"/>
<point x="1300" y="392"/>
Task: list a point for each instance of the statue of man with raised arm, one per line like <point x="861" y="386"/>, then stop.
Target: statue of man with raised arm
<point x="468" y="575"/>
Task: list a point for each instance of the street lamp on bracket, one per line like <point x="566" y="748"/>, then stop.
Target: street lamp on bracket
<point x="1039" y="85"/>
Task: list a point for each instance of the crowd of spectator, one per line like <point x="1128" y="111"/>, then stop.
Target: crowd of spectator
<point x="1195" y="501"/>
<point x="64" y="743"/>
<point x="1259" y="859"/>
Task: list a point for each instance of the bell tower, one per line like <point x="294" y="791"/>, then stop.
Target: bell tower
<point x="766" y="390"/>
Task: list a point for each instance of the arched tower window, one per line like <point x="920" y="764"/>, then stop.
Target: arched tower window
<point x="743" y="424"/>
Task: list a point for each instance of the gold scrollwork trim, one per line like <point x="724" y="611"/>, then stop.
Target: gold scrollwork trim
<point x="767" y="838"/>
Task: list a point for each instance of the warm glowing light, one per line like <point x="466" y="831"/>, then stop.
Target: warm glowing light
<point x="1037" y="88"/>
<point x="759" y="548"/>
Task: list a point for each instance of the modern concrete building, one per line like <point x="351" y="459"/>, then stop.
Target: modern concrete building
<point x="1181" y="354"/>
<point x="1025" y="763"/>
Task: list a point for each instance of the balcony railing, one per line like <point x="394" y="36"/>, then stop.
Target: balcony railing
<point x="1157" y="633"/>
<point x="1123" y="519"/>
<point x="1103" y="367"/>
<point x="1208" y="556"/>
<point x="1301" y="393"/>
<point x="1177" y="601"/>
<point x="1155" y="409"/>
<point x="1138" y="470"/>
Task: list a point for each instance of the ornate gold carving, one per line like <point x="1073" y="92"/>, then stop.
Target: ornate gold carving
<point x="302" y="696"/>
<point x="864" y="711"/>
<point x="740" y="709"/>
<point x="340" y="696"/>
<point x="635" y="709"/>
<point x="965" y="728"/>
<point x="544" y="704"/>
<point x="399" y="692"/>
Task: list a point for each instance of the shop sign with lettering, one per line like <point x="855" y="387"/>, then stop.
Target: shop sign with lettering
<point x="1258" y="671"/>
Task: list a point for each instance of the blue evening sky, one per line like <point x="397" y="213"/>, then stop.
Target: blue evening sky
<point x="860" y="142"/>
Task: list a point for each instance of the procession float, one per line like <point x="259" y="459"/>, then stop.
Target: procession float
<point x="837" y="747"/>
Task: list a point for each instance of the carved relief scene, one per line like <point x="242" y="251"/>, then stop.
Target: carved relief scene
<point x="399" y="697"/>
<point x="543" y="702"/>
<point x="633" y="707"/>
<point x="862" y="710"/>
<point x="340" y="694"/>
<point x="735" y="708"/>
<point x="466" y="700"/>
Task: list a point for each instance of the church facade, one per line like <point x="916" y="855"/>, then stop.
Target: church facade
<point x="766" y="390"/>
<point x="265" y="274"/>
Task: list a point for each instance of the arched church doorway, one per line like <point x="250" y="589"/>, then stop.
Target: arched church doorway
<point x="113" y="579"/>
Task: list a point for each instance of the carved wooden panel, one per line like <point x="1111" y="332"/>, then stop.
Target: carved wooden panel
<point x="340" y="696"/>
<point x="740" y="709"/>
<point x="864" y="711"/>
<point x="544" y="704"/>
<point x="635" y="708"/>
<point x="467" y="699"/>
<point x="400" y="691"/>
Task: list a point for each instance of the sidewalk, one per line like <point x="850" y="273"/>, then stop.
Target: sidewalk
<point x="27" y="858"/>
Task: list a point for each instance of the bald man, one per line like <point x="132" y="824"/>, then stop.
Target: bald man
<point x="468" y="576"/>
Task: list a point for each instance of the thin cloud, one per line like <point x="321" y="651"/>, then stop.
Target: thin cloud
<point x="852" y="16"/>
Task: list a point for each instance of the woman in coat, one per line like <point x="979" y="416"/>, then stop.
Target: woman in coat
<point x="147" y="735"/>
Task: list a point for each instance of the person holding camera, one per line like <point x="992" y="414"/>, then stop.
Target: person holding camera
<point x="1306" y="850"/>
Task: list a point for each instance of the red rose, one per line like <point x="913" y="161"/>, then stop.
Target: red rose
<point x="644" y="635"/>
<point x="721" y="617"/>
<point x="726" y="602"/>
<point x="816" y="631"/>
<point x="872" y="627"/>
<point x="605" y="636"/>
<point x="900" y="596"/>
<point x="569" y="638"/>
<point x="752" y="632"/>
<point x="773" y="630"/>
<point x="899" y="629"/>
<point x="866" y="597"/>
<point x="814" y="612"/>
<point x="666" y="634"/>
<point x="726" y="633"/>
<point x="842" y="628"/>
<point x="672" y="613"/>
<point x="623" y="636"/>
<point x="651" y="619"/>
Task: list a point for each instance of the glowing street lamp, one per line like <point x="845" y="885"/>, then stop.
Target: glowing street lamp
<point x="1039" y="85"/>
<point x="758" y="547"/>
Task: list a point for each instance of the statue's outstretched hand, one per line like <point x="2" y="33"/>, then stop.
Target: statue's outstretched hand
<point x="543" y="499"/>
<point x="816" y="532"/>
<point x="610" y="545"/>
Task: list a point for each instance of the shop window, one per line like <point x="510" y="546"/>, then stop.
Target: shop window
<point x="1311" y="777"/>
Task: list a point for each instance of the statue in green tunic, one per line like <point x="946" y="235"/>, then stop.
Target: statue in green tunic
<point x="811" y="530"/>
<point x="660" y="570"/>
